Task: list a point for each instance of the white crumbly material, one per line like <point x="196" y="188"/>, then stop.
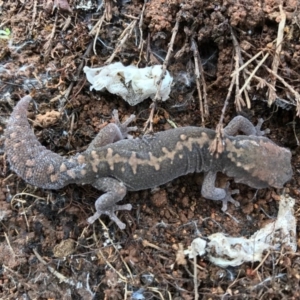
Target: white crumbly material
<point x="227" y="251"/>
<point x="131" y="83"/>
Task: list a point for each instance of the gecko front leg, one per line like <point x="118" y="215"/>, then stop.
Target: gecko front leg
<point x="115" y="191"/>
<point x="209" y="191"/>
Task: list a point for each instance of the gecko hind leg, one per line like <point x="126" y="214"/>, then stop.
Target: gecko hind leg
<point x="123" y="127"/>
<point x="113" y="132"/>
<point x="240" y="123"/>
<point x="209" y="191"/>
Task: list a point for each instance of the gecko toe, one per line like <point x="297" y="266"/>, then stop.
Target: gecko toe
<point x="93" y="218"/>
<point x="123" y="207"/>
<point x="114" y="218"/>
<point x="111" y="214"/>
<point x="260" y="132"/>
<point x="228" y="198"/>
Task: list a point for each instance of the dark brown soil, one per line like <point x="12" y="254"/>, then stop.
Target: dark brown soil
<point x="43" y="232"/>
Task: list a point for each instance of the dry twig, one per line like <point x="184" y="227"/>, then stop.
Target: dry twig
<point x="117" y="250"/>
<point x="34" y="13"/>
<point x="96" y="30"/>
<point x="157" y="97"/>
<point x="275" y="64"/>
<point x="239" y="102"/>
<point x="60" y="276"/>
<point x="199" y="73"/>
<point x="288" y="86"/>
<point x="122" y="39"/>
<point x="141" y="43"/>
<point x="217" y="145"/>
<point x="48" y="45"/>
<point x="195" y="277"/>
<point x="107" y="15"/>
<point x="252" y="74"/>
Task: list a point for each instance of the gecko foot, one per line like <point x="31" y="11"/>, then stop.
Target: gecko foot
<point x="110" y="212"/>
<point x="260" y="132"/>
<point x="124" y="126"/>
<point x="228" y="198"/>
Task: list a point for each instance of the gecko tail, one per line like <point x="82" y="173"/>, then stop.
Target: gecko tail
<point x="27" y="157"/>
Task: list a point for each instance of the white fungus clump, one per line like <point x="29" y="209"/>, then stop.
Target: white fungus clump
<point x="131" y="83"/>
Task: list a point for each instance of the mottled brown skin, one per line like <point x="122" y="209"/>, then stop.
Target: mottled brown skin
<point x="114" y="164"/>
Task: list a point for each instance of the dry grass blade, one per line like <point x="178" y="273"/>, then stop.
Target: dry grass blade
<point x="246" y="64"/>
<point x="166" y="61"/>
<point x="141" y="43"/>
<point x="291" y="89"/>
<point x="117" y="250"/>
<point x="123" y="38"/>
<point x="199" y="74"/>
<point x="288" y="86"/>
<point x="247" y="82"/>
<point x="149" y="122"/>
<point x="96" y="30"/>
<point x="216" y="146"/>
<point x="275" y="64"/>
<point x="34" y="13"/>
<point x="60" y="276"/>
<point x="239" y="102"/>
<point x="48" y="45"/>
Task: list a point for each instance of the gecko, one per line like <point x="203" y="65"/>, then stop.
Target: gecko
<point x="114" y="163"/>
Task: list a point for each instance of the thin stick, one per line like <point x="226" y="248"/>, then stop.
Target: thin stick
<point x="166" y="61"/>
<point x="116" y="249"/>
<point x="195" y="278"/>
<point x="246" y="63"/>
<point x="60" y="276"/>
<point x="238" y="55"/>
<point x="199" y="73"/>
<point x="291" y="89"/>
<point x="294" y="130"/>
<point x="123" y="38"/>
<point x="8" y="243"/>
<point x="275" y="64"/>
<point x="99" y="25"/>
<point x="33" y="15"/>
<point x="238" y="100"/>
<point x="253" y="73"/>
<point x="141" y="43"/>
<point x="94" y="30"/>
<point x="141" y="26"/>
<point x="217" y="145"/>
<point x="158" y="84"/>
<point x="48" y="44"/>
<point x="234" y="74"/>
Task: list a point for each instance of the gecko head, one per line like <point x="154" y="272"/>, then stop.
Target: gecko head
<point x="258" y="162"/>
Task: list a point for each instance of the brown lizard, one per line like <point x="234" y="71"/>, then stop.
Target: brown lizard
<point x="114" y="164"/>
